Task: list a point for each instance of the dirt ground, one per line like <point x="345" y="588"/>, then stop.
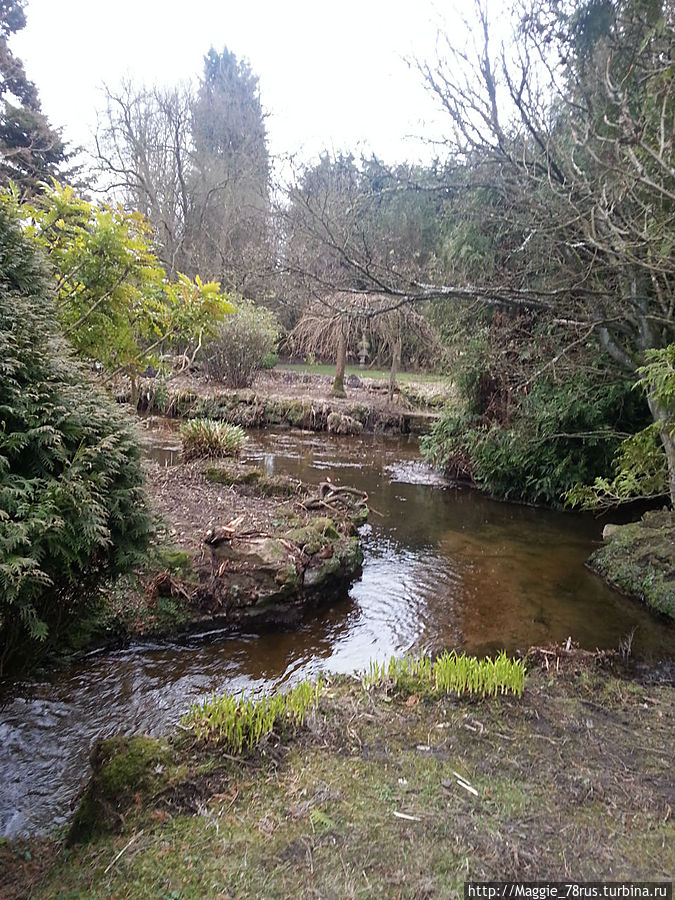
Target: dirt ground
<point x="190" y="504"/>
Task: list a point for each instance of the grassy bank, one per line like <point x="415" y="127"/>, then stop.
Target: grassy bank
<point x="442" y="381"/>
<point x="639" y="559"/>
<point x="386" y="793"/>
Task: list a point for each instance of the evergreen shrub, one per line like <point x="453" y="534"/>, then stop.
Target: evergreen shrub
<point x="72" y="509"/>
<point x="561" y="433"/>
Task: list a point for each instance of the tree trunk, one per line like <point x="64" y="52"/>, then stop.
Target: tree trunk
<point x="395" y="363"/>
<point x="667" y="435"/>
<point x="339" y="382"/>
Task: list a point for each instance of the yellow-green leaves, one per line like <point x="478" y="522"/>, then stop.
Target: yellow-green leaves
<point x="115" y="303"/>
<point x="449" y="673"/>
<point x="239" y="723"/>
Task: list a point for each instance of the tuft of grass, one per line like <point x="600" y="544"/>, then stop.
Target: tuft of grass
<point x="208" y="438"/>
<point x="449" y="673"/>
<point x="239" y="723"/>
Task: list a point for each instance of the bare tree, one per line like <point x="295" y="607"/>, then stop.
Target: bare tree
<point x="195" y="162"/>
<point x="144" y="151"/>
<point x="560" y="154"/>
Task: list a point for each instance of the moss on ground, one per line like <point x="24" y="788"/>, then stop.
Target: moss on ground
<point x="250" y="476"/>
<point x="572" y="781"/>
<point x="639" y="559"/>
<point x="258" y="409"/>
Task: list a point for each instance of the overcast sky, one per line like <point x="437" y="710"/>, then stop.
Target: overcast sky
<point x="332" y="75"/>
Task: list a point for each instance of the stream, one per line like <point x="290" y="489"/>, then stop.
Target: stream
<point x="443" y="568"/>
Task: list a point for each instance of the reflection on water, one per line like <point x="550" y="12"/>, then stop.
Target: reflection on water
<point x="443" y="568"/>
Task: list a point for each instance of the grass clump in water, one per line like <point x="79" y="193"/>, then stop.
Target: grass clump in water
<point x="208" y="438"/>
<point x="239" y="723"/>
<point x="449" y="673"/>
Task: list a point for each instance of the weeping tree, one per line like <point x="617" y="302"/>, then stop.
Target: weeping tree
<point x="72" y="509"/>
<point x="331" y="326"/>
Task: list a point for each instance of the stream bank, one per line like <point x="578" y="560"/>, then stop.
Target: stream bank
<point x="638" y="559"/>
<point x="294" y="400"/>
<point x="573" y="781"/>
<point x="443" y="568"/>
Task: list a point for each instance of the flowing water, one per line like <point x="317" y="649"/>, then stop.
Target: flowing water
<point x="443" y="568"/>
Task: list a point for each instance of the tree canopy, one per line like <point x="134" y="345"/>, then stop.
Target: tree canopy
<point x="32" y="151"/>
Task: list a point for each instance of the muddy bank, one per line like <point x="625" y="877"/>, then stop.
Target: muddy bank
<point x="370" y="797"/>
<point x="295" y="401"/>
<point x="639" y="560"/>
<point x="256" y="551"/>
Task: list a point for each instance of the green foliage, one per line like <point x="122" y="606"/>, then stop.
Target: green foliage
<point x="560" y="434"/>
<point x="114" y="301"/>
<point x="640" y="471"/>
<point x="71" y="506"/>
<point x="658" y="378"/>
<point x="449" y="673"/>
<point x="640" y="464"/>
<point x="206" y="438"/>
<point x="239" y="723"/>
<point x="270" y="361"/>
<point x="245" y="340"/>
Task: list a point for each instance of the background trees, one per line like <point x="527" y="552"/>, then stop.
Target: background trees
<point x="195" y="163"/>
<point x="231" y="175"/>
<point x="569" y="129"/>
<point x="32" y="151"/>
<point x="554" y="205"/>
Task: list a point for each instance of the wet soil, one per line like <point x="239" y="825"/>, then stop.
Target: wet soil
<point x="190" y="504"/>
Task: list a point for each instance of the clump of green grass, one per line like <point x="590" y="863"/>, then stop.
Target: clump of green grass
<point x="449" y="673"/>
<point x="239" y="723"/>
<point x="208" y="438"/>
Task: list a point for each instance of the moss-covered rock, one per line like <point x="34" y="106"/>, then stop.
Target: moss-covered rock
<point x="341" y="565"/>
<point x="122" y="767"/>
<point x="231" y="474"/>
<point x="174" y="560"/>
<point x="639" y="559"/>
<point x="315" y="533"/>
<point x="339" y="423"/>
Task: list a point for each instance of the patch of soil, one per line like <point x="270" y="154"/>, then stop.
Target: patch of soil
<point x="191" y="504"/>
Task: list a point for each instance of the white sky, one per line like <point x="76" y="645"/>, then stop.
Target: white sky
<point x="332" y="75"/>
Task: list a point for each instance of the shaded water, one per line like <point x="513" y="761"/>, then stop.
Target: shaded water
<point x="443" y="568"/>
